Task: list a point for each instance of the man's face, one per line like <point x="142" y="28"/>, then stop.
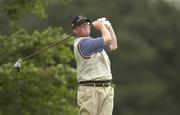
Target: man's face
<point x="83" y="30"/>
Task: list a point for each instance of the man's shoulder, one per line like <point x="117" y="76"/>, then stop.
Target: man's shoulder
<point x="81" y="39"/>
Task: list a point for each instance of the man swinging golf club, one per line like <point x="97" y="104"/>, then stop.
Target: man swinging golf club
<point x="95" y="94"/>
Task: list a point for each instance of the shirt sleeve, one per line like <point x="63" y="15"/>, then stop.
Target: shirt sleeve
<point x="90" y="45"/>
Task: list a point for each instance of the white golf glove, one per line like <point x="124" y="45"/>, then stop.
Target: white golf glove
<point x="105" y="21"/>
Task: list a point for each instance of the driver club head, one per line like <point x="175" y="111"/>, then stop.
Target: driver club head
<point x="17" y="65"/>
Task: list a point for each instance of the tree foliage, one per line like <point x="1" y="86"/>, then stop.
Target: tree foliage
<point x="46" y="84"/>
<point x="17" y="9"/>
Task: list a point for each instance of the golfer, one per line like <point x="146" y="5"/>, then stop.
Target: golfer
<point x="95" y="93"/>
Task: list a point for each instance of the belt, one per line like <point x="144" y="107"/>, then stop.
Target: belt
<point x="96" y="83"/>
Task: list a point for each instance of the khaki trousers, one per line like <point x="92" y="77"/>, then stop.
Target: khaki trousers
<point x="95" y="100"/>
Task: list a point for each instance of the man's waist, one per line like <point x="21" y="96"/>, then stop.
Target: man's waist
<point x="102" y="83"/>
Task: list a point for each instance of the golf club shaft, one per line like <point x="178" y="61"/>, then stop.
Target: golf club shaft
<point x="45" y="48"/>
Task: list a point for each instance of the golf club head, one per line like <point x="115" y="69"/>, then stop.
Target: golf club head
<point x="17" y="65"/>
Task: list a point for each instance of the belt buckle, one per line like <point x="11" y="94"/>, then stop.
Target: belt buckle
<point x="103" y="84"/>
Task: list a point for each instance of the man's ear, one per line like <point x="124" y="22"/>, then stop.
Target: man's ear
<point x="74" y="31"/>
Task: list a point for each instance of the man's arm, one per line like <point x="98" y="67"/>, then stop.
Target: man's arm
<point x="104" y="31"/>
<point x="113" y="42"/>
<point x="89" y="46"/>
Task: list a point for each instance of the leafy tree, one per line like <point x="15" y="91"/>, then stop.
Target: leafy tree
<point x="46" y="84"/>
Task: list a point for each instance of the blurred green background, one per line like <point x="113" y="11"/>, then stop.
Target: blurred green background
<point x="145" y="66"/>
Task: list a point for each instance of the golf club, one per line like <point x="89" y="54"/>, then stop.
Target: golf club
<point x="18" y="66"/>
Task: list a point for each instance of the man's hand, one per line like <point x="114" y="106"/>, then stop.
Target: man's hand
<point x="98" y="25"/>
<point x="105" y="21"/>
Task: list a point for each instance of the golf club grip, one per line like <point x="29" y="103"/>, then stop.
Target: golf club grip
<point x="43" y="49"/>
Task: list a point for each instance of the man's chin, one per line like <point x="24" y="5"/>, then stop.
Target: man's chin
<point x="86" y="35"/>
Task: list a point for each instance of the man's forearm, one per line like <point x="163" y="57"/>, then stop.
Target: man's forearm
<point x="113" y="44"/>
<point x="106" y="35"/>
